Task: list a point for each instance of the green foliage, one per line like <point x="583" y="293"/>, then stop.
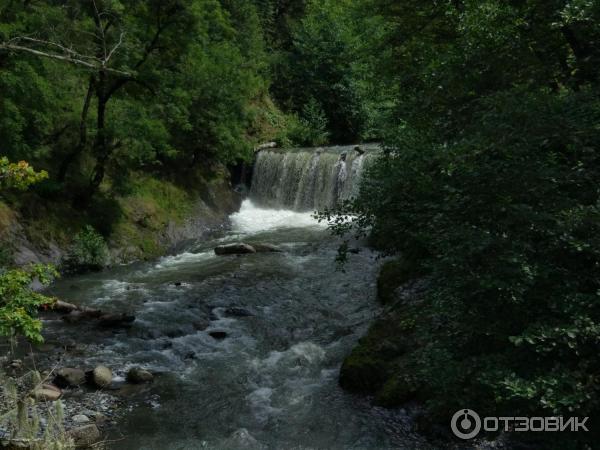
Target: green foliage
<point x="20" y="175"/>
<point x="322" y="64"/>
<point x="490" y="182"/>
<point x="19" y="303"/>
<point x="174" y="86"/>
<point x="88" y="251"/>
<point x="310" y="129"/>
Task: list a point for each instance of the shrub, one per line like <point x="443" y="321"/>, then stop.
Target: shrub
<point x="310" y="129"/>
<point x="88" y="252"/>
<point x="19" y="304"/>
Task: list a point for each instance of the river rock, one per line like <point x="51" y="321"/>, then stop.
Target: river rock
<point x="266" y="248"/>
<point x="218" y="334"/>
<point x="137" y="375"/>
<point x="69" y="377"/>
<point x="235" y="311"/>
<point x="102" y="376"/>
<point x="46" y="393"/>
<point x="80" y="418"/>
<point x="85" y="436"/>
<point x="234" y="249"/>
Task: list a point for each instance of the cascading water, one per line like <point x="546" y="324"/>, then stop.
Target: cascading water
<point x="308" y="179"/>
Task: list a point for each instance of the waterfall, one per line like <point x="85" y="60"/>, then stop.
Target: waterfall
<point x="308" y="179"/>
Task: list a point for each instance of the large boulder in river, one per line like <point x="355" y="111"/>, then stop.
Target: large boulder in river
<point x="234" y="249"/>
<point x="266" y="248"/>
<point x="68" y="377"/>
<point x="84" y="436"/>
<point x="137" y="375"/>
<point x="102" y="376"/>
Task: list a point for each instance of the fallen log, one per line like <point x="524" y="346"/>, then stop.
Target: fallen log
<point x="76" y="314"/>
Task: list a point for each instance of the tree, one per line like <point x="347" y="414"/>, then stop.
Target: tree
<point x="489" y="186"/>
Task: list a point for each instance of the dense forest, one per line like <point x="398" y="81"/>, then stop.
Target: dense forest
<point x="486" y="191"/>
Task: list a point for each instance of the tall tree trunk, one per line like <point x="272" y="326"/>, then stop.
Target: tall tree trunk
<point x="70" y="158"/>
<point x="101" y="150"/>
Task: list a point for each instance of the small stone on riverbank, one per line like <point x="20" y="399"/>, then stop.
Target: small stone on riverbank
<point x="102" y="376"/>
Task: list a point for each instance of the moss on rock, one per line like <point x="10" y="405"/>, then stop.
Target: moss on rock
<point x="398" y="389"/>
<point x="362" y="372"/>
<point x="392" y="275"/>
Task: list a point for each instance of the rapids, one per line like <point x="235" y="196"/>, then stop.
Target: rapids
<point x="273" y="382"/>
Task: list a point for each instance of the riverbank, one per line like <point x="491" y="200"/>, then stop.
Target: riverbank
<point x="143" y="220"/>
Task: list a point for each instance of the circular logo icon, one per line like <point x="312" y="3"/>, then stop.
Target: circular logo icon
<point x="466" y="424"/>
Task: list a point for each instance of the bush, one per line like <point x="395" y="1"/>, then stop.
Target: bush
<point x="308" y="130"/>
<point x="19" y="304"/>
<point x="88" y="252"/>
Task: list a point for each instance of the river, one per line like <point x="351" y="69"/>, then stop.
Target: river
<point x="290" y="318"/>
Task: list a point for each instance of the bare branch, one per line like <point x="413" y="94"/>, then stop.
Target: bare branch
<point x="114" y="49"/>
<point x="68" y="58"/>
<point x="54" y="44"/>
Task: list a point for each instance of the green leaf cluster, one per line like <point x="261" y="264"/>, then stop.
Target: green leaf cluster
<point x="19" y="303"/>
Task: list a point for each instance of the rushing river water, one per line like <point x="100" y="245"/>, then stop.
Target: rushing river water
<point x="275" y="375"/>
<point x="290" y="318"/>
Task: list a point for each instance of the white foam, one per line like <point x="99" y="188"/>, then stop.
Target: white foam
<point x="252" y="219"/>
<point x="182" y="258"/>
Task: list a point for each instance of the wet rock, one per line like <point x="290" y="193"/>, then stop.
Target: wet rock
<point x="69" y="377"/>
<point x="190" y="355"/>
<point x="46" y="393"/>
<point x="137" y="375"/>
<point x="102" y="376"/>
<point x="237" y="312"/>
<point x="266" y="248"/>
<point x="234" y="249"/>
<point x="85" y="436"/>
<point x="219" y="335"/>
